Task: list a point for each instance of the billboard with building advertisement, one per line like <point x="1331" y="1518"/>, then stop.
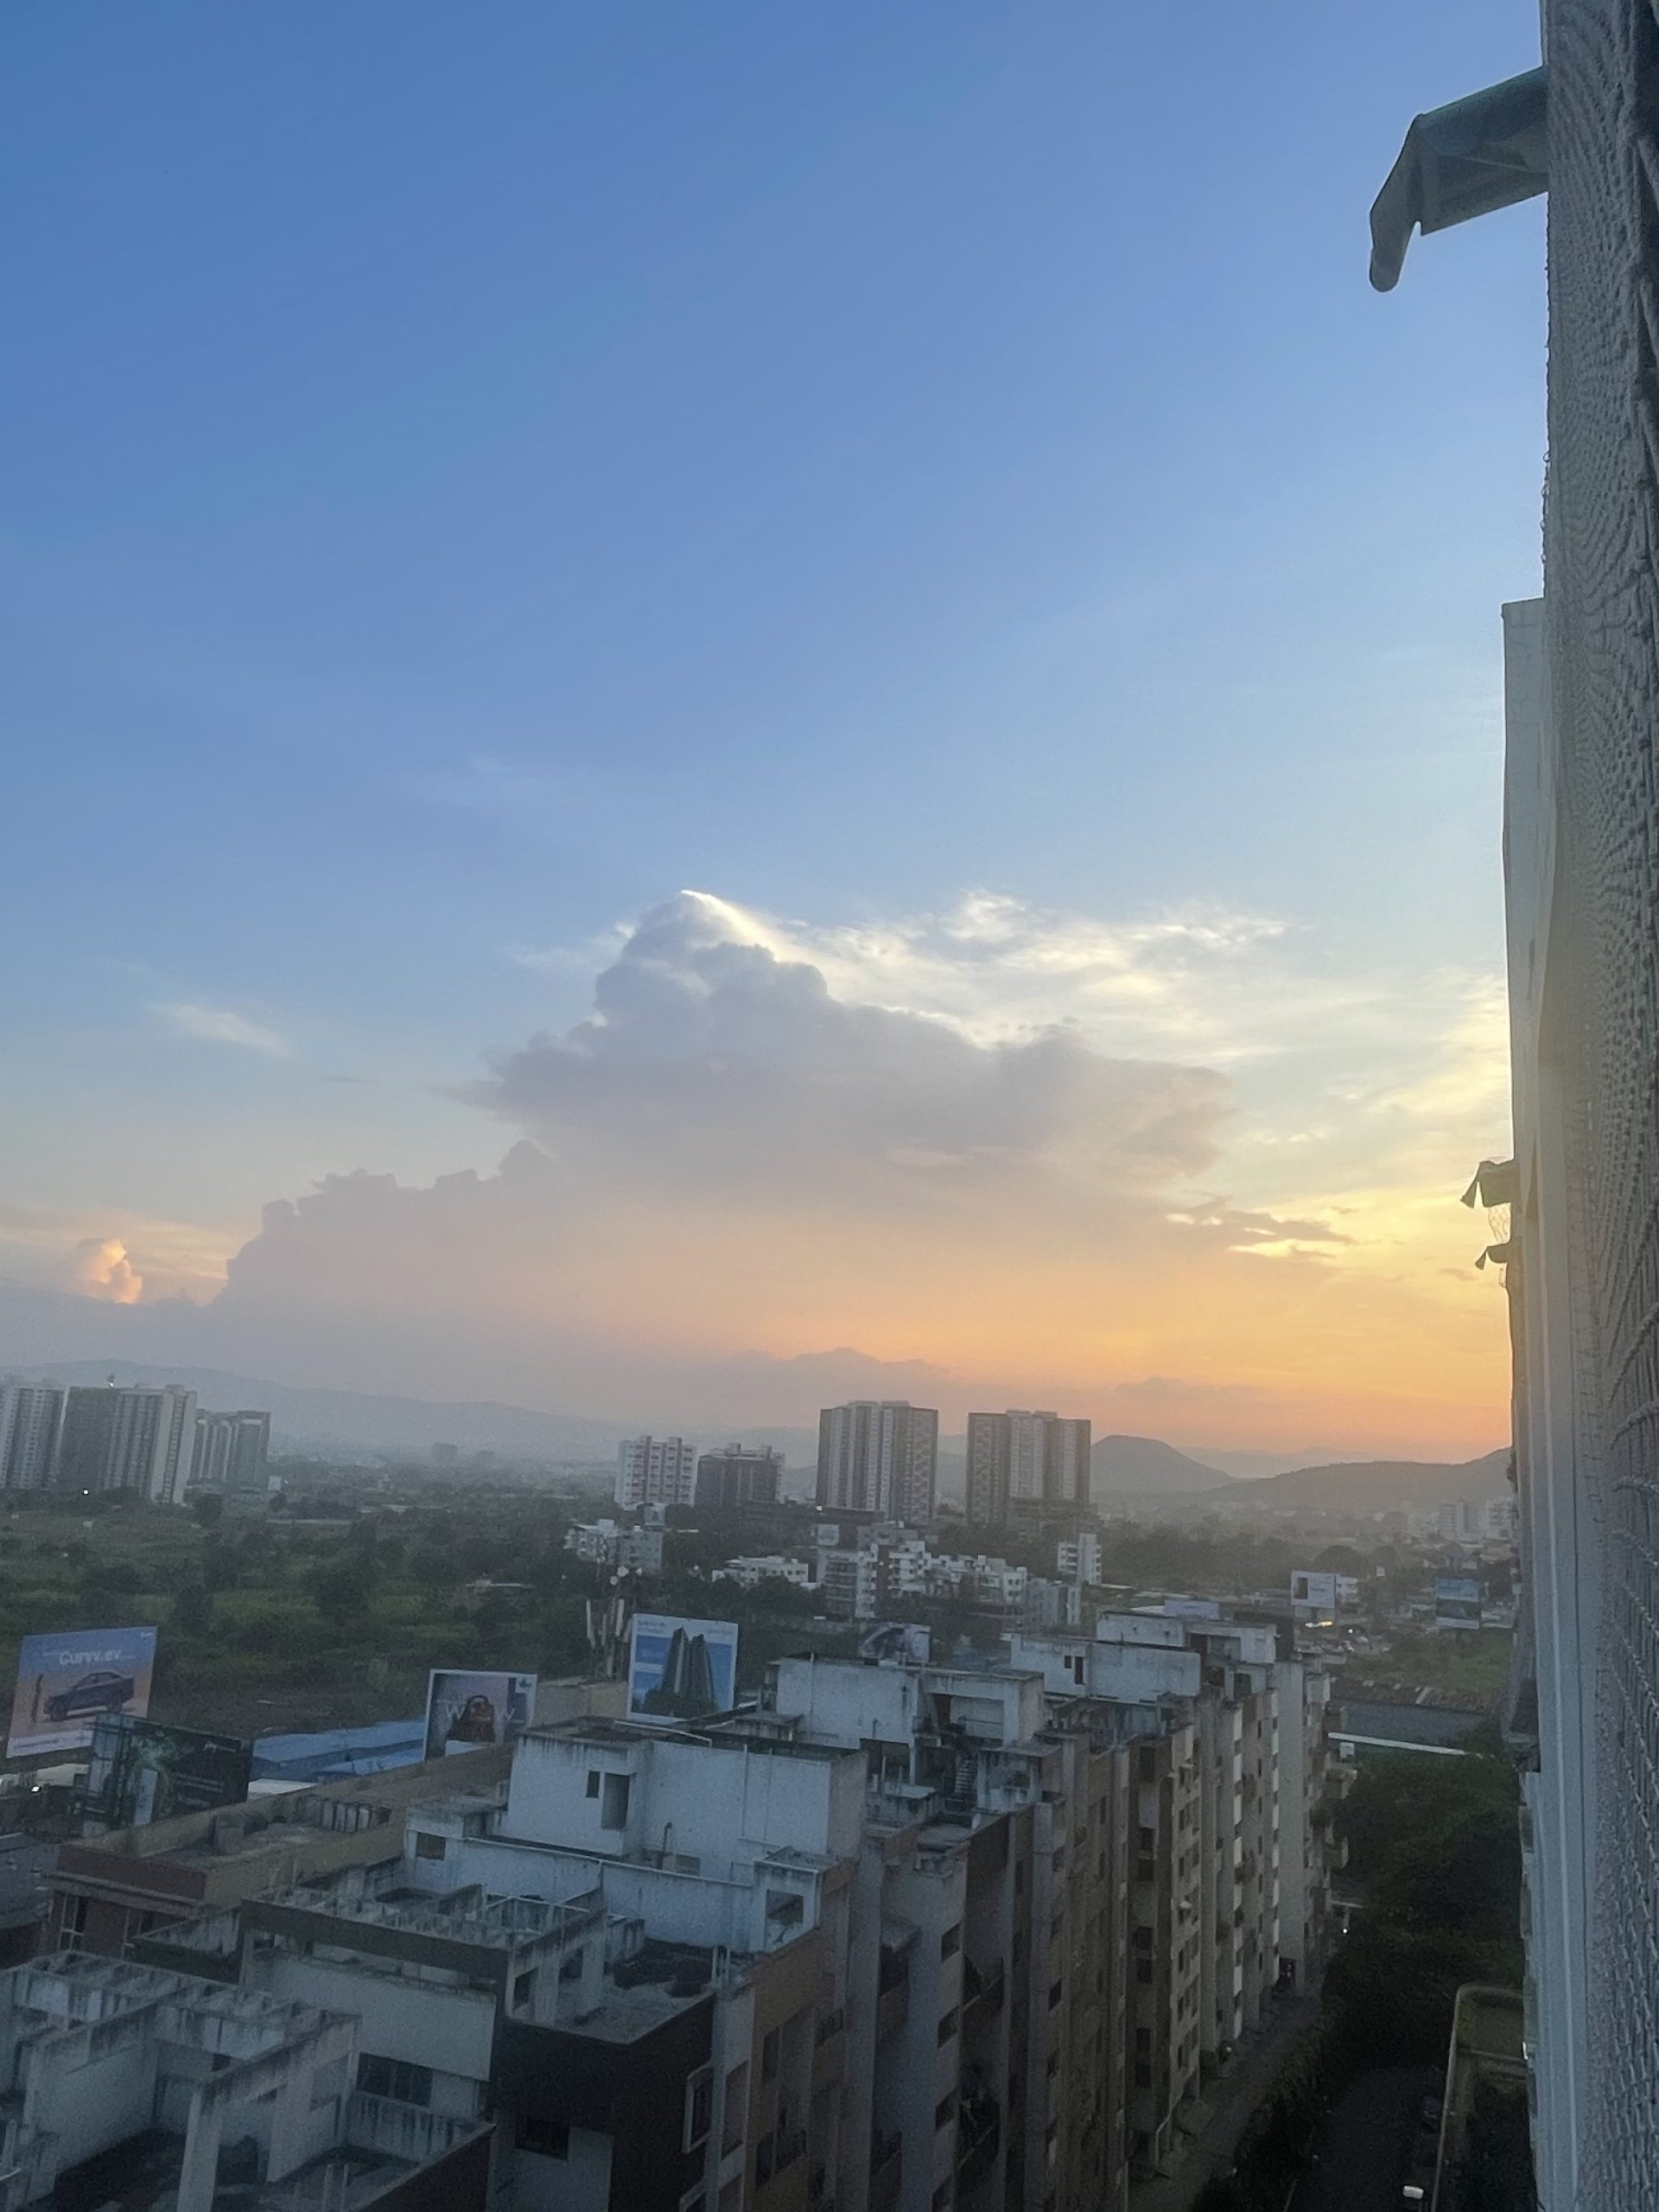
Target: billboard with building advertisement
<point x="64" y="1683"/>
<point x="466" y="1708"/>
<point x="143" y="1770"/>
<point x="679" y="1668"/>
<point x="1456" y="1601"/>
<point x="909" y="1642"/>
<point x="1318" y="1592"/>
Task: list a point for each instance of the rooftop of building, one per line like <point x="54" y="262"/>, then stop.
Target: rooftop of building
<point x="240" y="2035"/>
<point x="270" y="1828"/>
<point x="336" y="1753"/>
<point x="470" y="1916"/>
<point x="743" y="1728"/>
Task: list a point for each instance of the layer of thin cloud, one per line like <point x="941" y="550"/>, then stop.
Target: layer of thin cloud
<point x="968" y="1147"/>
<point x="1164" y="1171"/>
<point x="217" y="1024"/>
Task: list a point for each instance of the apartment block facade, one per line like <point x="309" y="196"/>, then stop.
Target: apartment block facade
<point x="739" y="1479"/>
<point x="880" y="1457"/>
<point x="138" y="1440"/>
<point x="656" y="1471"/>
<point x="31" y="1416"/>
<point x="1022" y="1463"/>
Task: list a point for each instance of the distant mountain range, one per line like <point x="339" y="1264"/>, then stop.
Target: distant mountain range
<point x="1139" y="1466"/>
<point x="1383" y="1486"/>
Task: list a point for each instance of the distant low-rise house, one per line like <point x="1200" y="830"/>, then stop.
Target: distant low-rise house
<point x="771" y="1567"/>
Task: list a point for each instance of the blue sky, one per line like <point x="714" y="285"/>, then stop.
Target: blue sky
<point x="472" y="473"/>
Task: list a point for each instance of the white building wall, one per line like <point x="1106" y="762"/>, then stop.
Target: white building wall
<point x="1557" y="1532"/>
<point x="451" y="2030"/>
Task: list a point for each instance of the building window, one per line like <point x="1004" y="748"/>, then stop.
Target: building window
<point x="1055" y="1989"/>
<point x="763" y="2150"/>
<point x="945" y="2111"/>
<point x="397" y="2078"/>
<point x="735" y="2120"/>
<point x="1143" y="1970"/>
<point x="548" y="2139"/>
<point x="950" y="1941"/>
<point x="769" y="2056"/>
<point x="948" y="2025"/>
<point x="1146" y="1765"/>
<point x="429" y="1845"/>
<point x="72" y="1927"/>
<point x="523" y="1989"/>
<point x="614" y="1808"/>
<point x="941" y="2196"/>
<point x="699" y="2106"/>
<point x="593" y="1782"/>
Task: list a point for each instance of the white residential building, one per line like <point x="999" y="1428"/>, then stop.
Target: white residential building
<point x="182" y="2089"/>
<point x="772" y="1567"/>
<point x="231" y="1451"/>
<point x="633" y="1549"/>
<point x="656" y="1471"/>
<point x="31" y="1414"/>
<point x="1076" y="1558"/>
<point x="880" y="1457"/>
<point x="139" y="1440"/>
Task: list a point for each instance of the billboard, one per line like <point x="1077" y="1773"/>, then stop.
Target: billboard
<point x="679" y="1668"/>
<point x="907" y="1641"/>
<point x="1456" y="1601"/>
<point x="64" y="1683"/>
<point x="1317" y="1592"/>
<point x="143" y="1770"/>
<point x="466" y="1708"/>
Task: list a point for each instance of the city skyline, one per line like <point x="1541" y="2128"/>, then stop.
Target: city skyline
<point x="591" y="608"/>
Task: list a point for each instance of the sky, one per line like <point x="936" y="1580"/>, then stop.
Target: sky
<point x="713" y="706"/>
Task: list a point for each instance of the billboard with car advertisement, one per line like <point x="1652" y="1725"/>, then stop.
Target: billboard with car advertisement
<point x="466" y="1707"/>
<point x="65" y="1682"/>
<point x="679" y="1668"/>
<point x="143" y="1770"/>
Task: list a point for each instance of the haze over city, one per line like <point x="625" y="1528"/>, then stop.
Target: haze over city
<point x="702" y="738"/>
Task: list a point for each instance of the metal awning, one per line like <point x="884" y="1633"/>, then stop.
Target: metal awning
<point x="1467" y="159"/>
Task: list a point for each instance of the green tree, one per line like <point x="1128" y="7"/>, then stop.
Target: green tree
<point x="192" y="1611"/>
<point x="344" y="1590"/>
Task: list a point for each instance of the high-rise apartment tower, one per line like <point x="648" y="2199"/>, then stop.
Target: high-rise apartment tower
<point x="656" y="1471"/>
<point x="880" y="1456"/>
<point x="31" y="1416"/>
<point x="1021" y="1462"/>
